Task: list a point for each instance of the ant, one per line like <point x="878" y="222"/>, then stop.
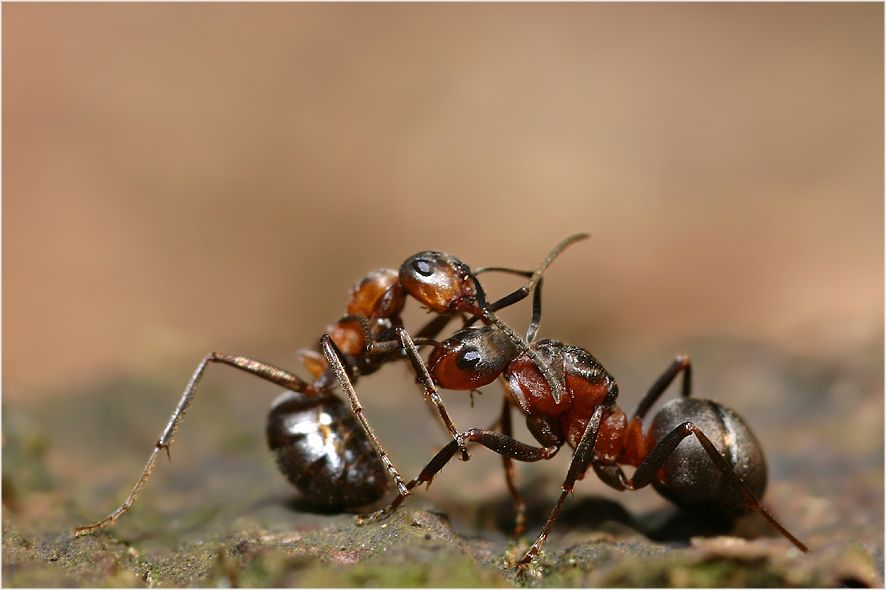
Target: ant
<point x="315" y="439"/>
<point x="722" y="470"/>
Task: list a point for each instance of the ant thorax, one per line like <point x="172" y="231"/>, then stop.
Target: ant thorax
<point x="377" y="295"/>
<point x="586" y="383"/>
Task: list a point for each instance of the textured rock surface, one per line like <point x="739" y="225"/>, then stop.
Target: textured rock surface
<point x="219" y="513"/>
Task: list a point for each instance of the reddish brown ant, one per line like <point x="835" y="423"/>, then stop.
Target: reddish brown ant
<point x="315" y="440"/>
<point x="722" y="470"/>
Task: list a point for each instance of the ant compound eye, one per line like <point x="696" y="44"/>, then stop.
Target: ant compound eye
<point x="468" y="360"/>
<point x="423" y="267"/>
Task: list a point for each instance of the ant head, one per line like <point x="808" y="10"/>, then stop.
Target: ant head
<point x="471" y="358"/>
<point x="378" y="295"/>
<point x="441" y="282"/>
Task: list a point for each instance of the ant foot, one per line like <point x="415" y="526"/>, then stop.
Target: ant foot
<point x="462" y="446"/>
<point x="362" y="519"/>
<point x="81" y="531"/>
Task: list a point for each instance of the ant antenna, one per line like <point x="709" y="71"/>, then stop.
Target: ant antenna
<point x="556" y="386"/>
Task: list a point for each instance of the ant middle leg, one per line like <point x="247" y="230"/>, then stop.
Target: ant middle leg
<point x="681" y="364"/>
<point x="511" y="472"/>
<point x="581" y="460"/>
<point x="636" y="443"/>
<point x="259" y="369"/>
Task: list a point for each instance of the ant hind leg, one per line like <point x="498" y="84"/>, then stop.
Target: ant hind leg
<point x="257" y="368"/>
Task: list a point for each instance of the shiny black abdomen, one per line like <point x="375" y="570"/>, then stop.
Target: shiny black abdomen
<point x="322" y="450"/>
<point x="689" y="477"/>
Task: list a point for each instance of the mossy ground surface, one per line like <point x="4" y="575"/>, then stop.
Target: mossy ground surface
<point x="416" y="548"/>
<point x="220" y="515"/>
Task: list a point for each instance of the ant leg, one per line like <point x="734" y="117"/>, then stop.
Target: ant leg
<point x="433" y="328"/>
<point x="681" y="364"/>
<point x="648" y="469"/>
<point x="494" y="441"/>
<point x="511" y="472"/>
<point x="334" y="356"/>
<point x="581" y="460"/>
<point x="408" y="345"/>
<point x="424" y="377"/>
<point x="636" y="445"/>
<point x="257" y="368"/>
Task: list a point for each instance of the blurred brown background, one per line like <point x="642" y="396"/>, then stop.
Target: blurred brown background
<point x="180" y="178"/>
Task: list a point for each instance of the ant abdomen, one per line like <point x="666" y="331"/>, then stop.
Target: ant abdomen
<point x="321" y="449"/>
<point x="688" y="477"/>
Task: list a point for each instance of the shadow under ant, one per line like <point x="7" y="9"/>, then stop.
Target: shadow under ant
<point x="308" y="506"/>
<point x="668" y="525"/>
<point x="297" y="504"/>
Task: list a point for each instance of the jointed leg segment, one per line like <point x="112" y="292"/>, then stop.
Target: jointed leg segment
<point x="257" y="368"/>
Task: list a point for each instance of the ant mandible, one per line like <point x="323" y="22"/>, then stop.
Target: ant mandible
<point x="724" y="471"/>
<point x="351" y="472"/>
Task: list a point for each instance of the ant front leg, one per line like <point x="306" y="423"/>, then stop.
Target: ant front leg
<point x="335" y="358"/>
<point x="424" y="377"/>
<point x="257" y="368"/>
<point x="508" y="300"/>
